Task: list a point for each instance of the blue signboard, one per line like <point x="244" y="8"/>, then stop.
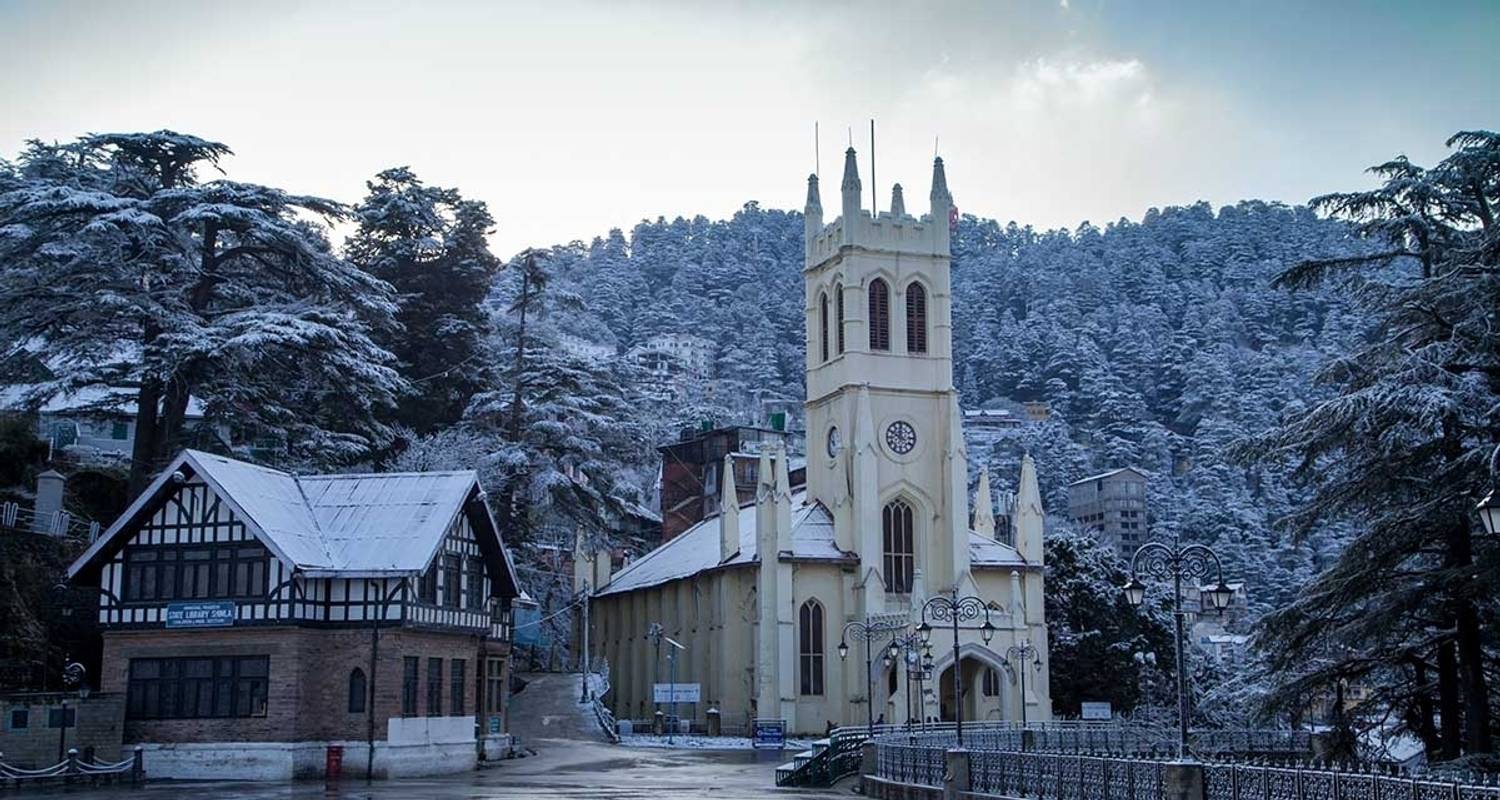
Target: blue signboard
<point x="770" y="733"/>
<point x="218" y="614"/>
<point x="528" y="629"/>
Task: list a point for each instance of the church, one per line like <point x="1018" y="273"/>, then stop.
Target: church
<point x="755" y="600"/>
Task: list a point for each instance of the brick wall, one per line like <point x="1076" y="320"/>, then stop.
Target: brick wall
<point x="98" y="721"/>
<point x="308" y="694"/>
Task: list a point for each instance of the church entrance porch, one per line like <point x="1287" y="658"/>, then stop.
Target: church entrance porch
<point x="984" y="690"/>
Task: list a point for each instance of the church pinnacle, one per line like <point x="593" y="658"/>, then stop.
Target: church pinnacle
<point x="939" y="184"/>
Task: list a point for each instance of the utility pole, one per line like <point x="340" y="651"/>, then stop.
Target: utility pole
<point x="584" y="656"/>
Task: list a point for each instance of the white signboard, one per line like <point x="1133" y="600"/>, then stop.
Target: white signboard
<point x="676" y="692"/>
<point x="1097" y="711"/>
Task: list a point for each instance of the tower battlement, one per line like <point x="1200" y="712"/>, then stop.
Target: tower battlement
<point x="890" y="231"/>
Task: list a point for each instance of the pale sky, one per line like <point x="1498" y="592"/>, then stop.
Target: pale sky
<point x="572" y="118"/>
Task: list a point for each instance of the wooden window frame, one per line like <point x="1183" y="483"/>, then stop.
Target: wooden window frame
<point x="811" y="634"/>
<point x="880" y="315"/>
<point x="916" y="318"/>
<point x="359" y="691"/>
<point x="838" y="316"/>
<point x="410" y="665"/>
<point x="198" y="687"/>
<point x="822" y="326"/>
<point x="898" y="551"/>
<point x="458" y="681"/>
<point x="434" y="686"/>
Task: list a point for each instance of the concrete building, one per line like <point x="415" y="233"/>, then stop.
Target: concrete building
<point x="690" y="467"/>
<point x="254" y="619"/>
<point x="760" y="592"/>
<point x="95" y="420"/>
<point x="1112" y="505"/>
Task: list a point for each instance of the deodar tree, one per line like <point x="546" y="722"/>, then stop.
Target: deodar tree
<point x="1404" y="448"/>
<point x="429" y="243"/>
<point x="123" y="269"/>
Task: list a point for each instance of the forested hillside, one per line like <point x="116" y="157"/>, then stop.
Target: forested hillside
<point x="1156" y="342"/>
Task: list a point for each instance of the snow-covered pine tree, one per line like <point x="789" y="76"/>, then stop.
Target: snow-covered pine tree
<point x="1404" y="448"/>
<point x="126" y="270"/>
<point x="429" y="243"/>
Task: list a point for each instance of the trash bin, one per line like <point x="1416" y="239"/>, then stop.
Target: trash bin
<point x="333" y="765"/>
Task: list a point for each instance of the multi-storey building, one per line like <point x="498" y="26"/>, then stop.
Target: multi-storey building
<point x="254" y="620"/>
<point x="690" y="466"/>
<point x="1112" y="505"/>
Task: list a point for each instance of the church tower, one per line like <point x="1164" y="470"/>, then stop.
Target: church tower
<point x="885" y="446"/>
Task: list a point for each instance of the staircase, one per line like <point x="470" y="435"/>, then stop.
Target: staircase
<point x="829" y="760"/>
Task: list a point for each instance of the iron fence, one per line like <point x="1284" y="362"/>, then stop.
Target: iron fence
<point x="1062" y="776"/>
<point x="74" y="768"/>
<point x="1236" y="781"/>
<point x="920" y="765"/>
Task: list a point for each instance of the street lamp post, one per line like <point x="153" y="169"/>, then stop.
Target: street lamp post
<point x="954" y="609"/>
<point x="1177" y="561"/>
<point x="868" y="631"/>
<point x="1023" y="652"/>
<point x="393" y="592"/>
<point x="908" y="649"/>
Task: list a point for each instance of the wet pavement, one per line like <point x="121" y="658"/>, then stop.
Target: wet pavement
<point x="572" y="761"/>
<point x="561" y="769"/>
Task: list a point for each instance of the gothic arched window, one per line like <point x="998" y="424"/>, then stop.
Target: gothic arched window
<point x="810" y="647"/>
<point x="916" y="318"/>
<point x="838" y="315"/>
<point x="899" y="561"/>
<point x="880" y="315"/>
<point x="991" y="687"/>
<point x="358" y="691"/>
<point x="823" y="326"/>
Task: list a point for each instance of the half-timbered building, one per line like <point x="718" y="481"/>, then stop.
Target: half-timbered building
<point x="256" y="620"/>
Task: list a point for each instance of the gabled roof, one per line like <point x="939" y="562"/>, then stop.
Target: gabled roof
<point x="696" y="549"/>
<point x="329" y="525"/>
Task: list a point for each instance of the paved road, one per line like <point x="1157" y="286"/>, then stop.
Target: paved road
<point x="547" y="709"/>
<point x="572" y="761"/>
<point x="592" y="770"/>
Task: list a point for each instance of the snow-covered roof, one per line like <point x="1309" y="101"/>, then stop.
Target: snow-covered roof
<point x="1109" y="474"/>
<point x="90" y="399"/>
<point x="697" y="548"/>
<point x="324" y="525"/>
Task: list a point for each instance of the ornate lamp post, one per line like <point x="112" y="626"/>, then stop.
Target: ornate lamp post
<point x="908" y="649"/>
<point x="1177" y="561"/>
<point x="1489" y="512"/>
<point x="868" y="631"/>
<point x="953" y="610"/>
<point x="1022" y="653"/>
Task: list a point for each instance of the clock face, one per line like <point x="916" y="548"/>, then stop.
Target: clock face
<point x="835" y="441"/>
<point x="900" y="437"/>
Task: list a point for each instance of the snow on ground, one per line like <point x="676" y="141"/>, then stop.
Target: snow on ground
<point x="696" y="742"/>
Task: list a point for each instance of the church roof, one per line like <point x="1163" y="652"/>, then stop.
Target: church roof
<point x="697" y="549"/>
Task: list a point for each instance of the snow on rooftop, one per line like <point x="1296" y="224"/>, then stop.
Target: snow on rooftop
<point x="351" y="524"/>
<point x="696" y="549"/>
<point x="88" y="399"/>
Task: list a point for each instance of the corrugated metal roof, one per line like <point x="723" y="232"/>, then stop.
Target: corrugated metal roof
<point x="351" y="524"/>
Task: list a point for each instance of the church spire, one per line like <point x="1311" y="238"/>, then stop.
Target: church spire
<point x="812" y="215"/>
<point x="814" y="201"/>
<point x="898" y="204"/>
<point x="984" y="509"/>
